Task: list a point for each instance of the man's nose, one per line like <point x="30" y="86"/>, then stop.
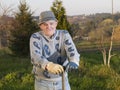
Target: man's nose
<point x="48" y="26"/>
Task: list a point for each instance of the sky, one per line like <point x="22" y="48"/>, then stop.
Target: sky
<point x="73" y="7"/>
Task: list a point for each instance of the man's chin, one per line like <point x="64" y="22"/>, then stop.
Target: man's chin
<point x="50" y="34"/>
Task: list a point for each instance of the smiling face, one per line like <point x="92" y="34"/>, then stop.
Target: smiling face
<point x="49" y="27"/>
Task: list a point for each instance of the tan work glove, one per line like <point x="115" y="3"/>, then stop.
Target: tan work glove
<point x="54" y="68"/>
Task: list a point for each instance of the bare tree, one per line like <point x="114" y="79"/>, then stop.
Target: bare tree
<point x="107" y="54"/>
<point x="103" y="50"/>
<point x="111" y="40"/>
<point x="5" y="10"/>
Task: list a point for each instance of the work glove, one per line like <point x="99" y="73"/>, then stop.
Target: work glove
<point x="54" y="68"/>
<point x="71" y="66"/>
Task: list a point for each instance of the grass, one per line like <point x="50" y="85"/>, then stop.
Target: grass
<point x="88" y="45"/>
<point x="15" y="72"/>
<point x="12" y="64"/>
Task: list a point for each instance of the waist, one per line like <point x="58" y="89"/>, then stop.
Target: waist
<point x="47" y="83"/>
<point x="39" y="78"/>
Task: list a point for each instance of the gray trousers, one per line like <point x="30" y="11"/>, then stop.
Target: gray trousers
<point x="50" y="85"/>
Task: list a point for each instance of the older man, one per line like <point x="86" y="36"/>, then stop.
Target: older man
<point x="51" y="50"/>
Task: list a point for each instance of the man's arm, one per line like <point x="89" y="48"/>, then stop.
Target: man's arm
<point x="37" y="58"/>
<point x="72" y="53"/>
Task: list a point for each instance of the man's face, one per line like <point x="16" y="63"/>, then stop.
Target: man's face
<point x="49" y="27"/>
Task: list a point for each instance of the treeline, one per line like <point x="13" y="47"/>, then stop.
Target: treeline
<point x="92" y="27"/>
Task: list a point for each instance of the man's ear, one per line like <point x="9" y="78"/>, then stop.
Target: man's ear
<point x="56" y="23"/>
<point x="40" y="26"/>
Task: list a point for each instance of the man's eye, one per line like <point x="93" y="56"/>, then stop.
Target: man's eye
<point x="52" y="23"/>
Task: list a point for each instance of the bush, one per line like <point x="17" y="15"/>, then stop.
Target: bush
<point x="11" y="77"/>
<point x="27" y="78"/>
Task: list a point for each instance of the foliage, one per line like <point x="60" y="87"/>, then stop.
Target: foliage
<point x="75" y="30"/>
<point x="92" y="75"/>
<point x="116" y="33"/>
<point x="12" y="81"/>
<point x="95" y="23"/>
<point x="60" y="14"/>
<point x="24" y="27"/>
<point x="15" y="73"/>
<point x="90" y="25"/>
<point x="103" y="30"/>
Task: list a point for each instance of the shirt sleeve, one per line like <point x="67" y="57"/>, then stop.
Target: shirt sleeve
<point x="70" y="48"/>
<point x="37" y="57"/>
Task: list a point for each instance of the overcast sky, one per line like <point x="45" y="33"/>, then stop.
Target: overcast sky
<point x="73" y="7"/>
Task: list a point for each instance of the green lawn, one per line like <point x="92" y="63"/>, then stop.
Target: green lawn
<point x="15" y="72"/>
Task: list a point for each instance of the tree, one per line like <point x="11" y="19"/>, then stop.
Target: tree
<point x="90" y="25"/>
<point x="24" y="27"/>
<point x="106" y="40"/>
<point x="104" y="34"/>
<point x="75" y="30"/>
<point x="116" y="35"/>
<point x="111" y="44"/>
<point x="5" y="10"/>
<point x="5" y="24"/>
<point x="60" y="14"/>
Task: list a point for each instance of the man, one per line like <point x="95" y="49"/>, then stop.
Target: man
<point x="51" y="50"/>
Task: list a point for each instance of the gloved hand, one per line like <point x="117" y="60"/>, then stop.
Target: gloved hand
<point x="70" y="66"/>
<point x="54" y="68"/>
